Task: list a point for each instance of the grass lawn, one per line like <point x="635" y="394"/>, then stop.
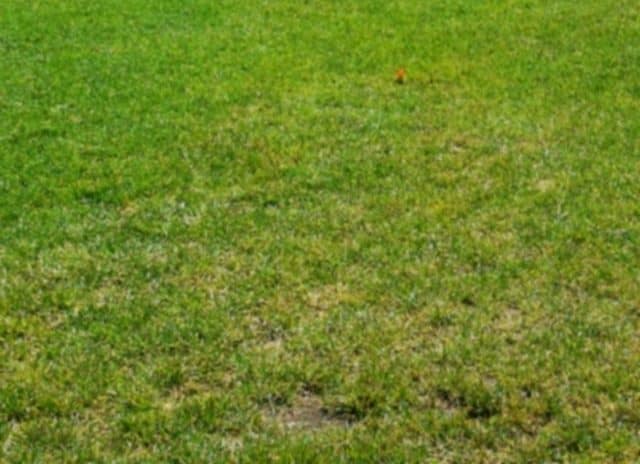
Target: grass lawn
<point x="227" y="235"/>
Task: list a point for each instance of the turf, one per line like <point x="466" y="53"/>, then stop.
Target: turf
<point x="227" y="233"/>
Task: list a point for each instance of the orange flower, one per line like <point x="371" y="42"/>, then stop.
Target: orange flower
<point x="401" y="75"/>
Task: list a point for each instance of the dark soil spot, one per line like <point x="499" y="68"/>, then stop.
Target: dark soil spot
<point x="307" y="412"/>
<point x="468" y="301"/>
<point x="478" y="405"/>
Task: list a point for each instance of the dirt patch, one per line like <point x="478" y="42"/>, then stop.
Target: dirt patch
<point x="306" y="412"/>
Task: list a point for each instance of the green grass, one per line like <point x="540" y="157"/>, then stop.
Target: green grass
<point x="226" y="234"/>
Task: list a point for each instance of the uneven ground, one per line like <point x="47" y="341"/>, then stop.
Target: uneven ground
<point x="227" y="234"/>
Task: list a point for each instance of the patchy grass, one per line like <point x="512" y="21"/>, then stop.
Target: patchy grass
<point x="227" y="234"/>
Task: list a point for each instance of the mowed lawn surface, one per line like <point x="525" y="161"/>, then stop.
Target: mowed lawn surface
<point x="226" y="233"/>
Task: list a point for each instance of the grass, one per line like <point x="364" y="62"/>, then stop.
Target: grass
<point x="226" y="233"/>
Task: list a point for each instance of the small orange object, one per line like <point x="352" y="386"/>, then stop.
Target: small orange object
<point x="401" y="75"/>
